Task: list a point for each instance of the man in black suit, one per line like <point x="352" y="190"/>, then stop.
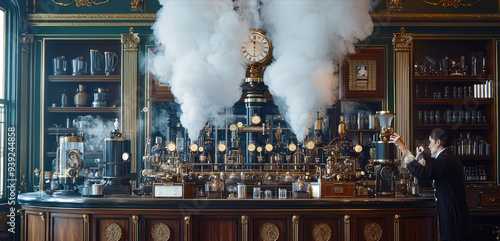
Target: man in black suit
<point x="449" y="183"/>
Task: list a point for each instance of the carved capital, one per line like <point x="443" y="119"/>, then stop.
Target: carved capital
<point x="135" y="219"/>
<point x="295" y="219"/>
<point x="402" y="41"/>
<point x="86" y="218"/>
<point x="396" y="218"/>
<point x="26" y="42"/>
<point x="347" y="219"/>
<point x="130" y="41"/>
<point x="244" y="219"/>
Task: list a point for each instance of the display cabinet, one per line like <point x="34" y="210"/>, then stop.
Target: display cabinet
<point x="452" y="88"/>
<point x="81" y="77"/>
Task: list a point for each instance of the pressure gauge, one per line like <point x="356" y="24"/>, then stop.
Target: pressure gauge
<point x="310" y="145"/>
<point x="292" y="147"/>
<point x="251" y="147"/>
<point x="239" y="124"/>
<point x="221" y="147"/>
<point x="125" y="156"/>
<point x="259" y="149"/>
<point x="171" y="147"/>
<point x="193" y="147"/>
<point x="269" y="147"/>
<point x="233" y="127"/>
<point x="358" y="148"/>
<point x="255" y="120"/>
<point x="201" y="149"/>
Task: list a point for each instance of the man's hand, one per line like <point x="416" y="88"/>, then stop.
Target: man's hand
<point x="396" y="139"/>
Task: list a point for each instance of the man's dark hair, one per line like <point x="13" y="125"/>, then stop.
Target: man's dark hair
<point x="442" y="135"/>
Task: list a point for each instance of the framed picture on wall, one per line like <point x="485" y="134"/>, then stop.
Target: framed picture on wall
<point x="157" y="90"/>
<point x="363" y="74"/>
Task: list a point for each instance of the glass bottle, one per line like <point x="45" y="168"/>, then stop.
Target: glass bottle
<point x="64" y="99"/>
<point x="462" y="145"/>
<point x="468" y="144"/>
<point x="437" y="119"/>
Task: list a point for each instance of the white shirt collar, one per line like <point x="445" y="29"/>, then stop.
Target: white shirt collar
<point x="439" y="153"/>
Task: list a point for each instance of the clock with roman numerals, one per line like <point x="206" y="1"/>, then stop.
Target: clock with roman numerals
<point x="257" y="49"/>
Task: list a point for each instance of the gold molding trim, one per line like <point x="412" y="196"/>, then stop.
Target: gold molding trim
<point x="322" y="232"/>
<point x="135" y="228"/>
<point x="42" y="216"/>
<point x="347" y="227"/>
<point x="396" y="227"/>
<point x="93" y="17"/>
<point x="160" y="232"/>
<point x="86" y="228"/>
<point x="81" y="3"/>
<point x="434" y="16"/>
<point x="101" y="24"/>
<point x="451" y="3"/>
<point x="372" y="232"/>
<point x="187" y="220"/>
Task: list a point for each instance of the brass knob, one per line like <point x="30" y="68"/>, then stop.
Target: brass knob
<point x="42" y="215"/>
<point x="492" y="199"/>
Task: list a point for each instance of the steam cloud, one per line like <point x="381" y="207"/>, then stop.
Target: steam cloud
<point x="95" y="131"/>
<point x="309" y="38"/>
<point x="199" y="57"/>
<point x="199" y="53"/>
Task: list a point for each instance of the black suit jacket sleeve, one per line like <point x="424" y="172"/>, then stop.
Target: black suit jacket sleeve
<point x="433" y="169"/>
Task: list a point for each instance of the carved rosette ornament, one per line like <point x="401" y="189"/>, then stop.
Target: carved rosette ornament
<point x="402" y="41"/>
<point x="160" y="232"/>
<point x="395" y="5"/>
<point x="322" y="232"/>
<point x="136" y="5"/>
<point x="372" y="232"/>
<point x="130" y="41"/>
<point x="269" y="232"/>
<point x="113" y="232"/>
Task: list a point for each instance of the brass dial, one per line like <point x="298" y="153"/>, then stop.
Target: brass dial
<point x="269" y="147"/>
<point x="221" y="147"/>
<point x="255" y="120"/>
<point x="171" y="146"/>
<point x="193" y="147"/>
<point x="251" y="147"/>
<point x="358" y="148"/>
<point x="232" y="127"/>
<point x="259" y="149"/>
<point x="292" y="147"/>
<point x="310" y="145"/>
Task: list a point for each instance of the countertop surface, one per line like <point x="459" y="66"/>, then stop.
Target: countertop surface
<point x="147" y="202"/>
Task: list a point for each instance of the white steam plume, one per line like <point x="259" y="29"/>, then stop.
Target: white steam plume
<point x="199" y="56"/>
<point x="95" y="130"/>
<point x="309" y="38"/>
<point x="250" y="12"/>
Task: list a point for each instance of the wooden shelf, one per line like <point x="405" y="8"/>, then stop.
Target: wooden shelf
<point x="459" y="127"/>
<point x="83" y="109"/>
<point x="61" y="130"/>
<point x="451" y="78"/>
<point x="475" y="157"/>
<point x="84" y="78"/>
<point x="87" y="154"/>
<point x="473" y="101"/>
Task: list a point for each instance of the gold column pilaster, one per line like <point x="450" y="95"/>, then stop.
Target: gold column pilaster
<point x="396" y="227"/>
<point x="347" y="228"/>
<point x="244" y="228"/>
<point x="135" y="228"/>
<point x="187" y="226"/>
<point x="295" y="222"/>
<point x="402" y="84"/>
<point x="129" y="99"/>
<point x="26" y="46"/>
<point x="86" y="227"/>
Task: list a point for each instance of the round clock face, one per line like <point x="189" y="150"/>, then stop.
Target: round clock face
<point x="358" y="148"/>
<point x="259" y="149"/>
<point x="232" y="127"/>
<point x="292" y="147"/>
<point x="255" y="120"/>
<point x="256" y="48"/>
<point x="201" y="149"/>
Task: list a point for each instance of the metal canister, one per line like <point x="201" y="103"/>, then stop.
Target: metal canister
<point x="242" y="191"/>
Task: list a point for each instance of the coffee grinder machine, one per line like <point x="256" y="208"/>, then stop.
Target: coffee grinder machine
<point x="69" y="163"/>
<point x="385" y="156"/>
<point x="117" y="164"/>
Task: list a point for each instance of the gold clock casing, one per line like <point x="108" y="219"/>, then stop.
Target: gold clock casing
<point x="257" y="49"/>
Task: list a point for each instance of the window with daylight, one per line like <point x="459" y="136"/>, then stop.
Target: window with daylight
<point x="2" y="101"/>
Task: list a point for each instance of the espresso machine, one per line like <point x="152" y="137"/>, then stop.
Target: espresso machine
<point x="117" y="156"/>
<point x="69" y="163"/>
<point x="385" y="155"/>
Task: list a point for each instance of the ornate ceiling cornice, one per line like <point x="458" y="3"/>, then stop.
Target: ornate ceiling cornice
<point x="92" y="17"/>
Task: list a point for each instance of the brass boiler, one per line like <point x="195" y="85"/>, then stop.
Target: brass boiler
<point x="70" y="156"/>
<point x="69" y="163"/>
<point x="117" y="164"/>
<point x="385" y="151"/>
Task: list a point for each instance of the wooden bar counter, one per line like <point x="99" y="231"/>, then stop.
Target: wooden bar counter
<point x="120" y="218"/>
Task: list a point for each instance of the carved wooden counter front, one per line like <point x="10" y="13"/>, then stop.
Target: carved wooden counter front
<point x="143" y="218"/>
